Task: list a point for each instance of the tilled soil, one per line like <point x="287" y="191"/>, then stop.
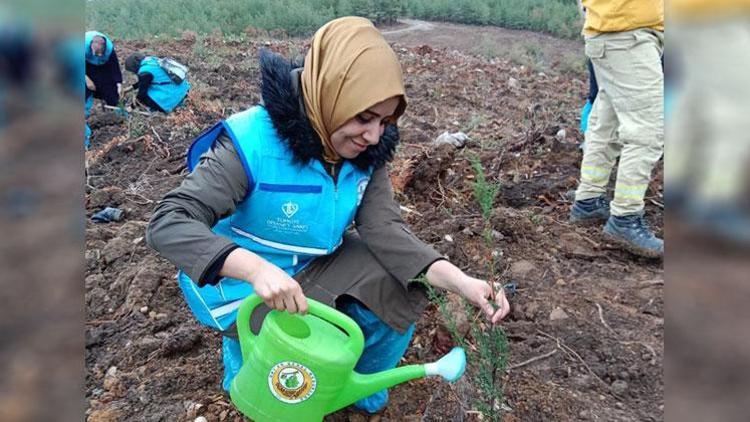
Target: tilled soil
<point x="587" y="321"/>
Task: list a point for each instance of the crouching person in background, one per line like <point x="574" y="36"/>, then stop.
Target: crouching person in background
<point x="103" y="74"/>
<point x="156" y="89"/>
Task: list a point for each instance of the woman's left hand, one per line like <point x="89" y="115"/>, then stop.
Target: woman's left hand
<point x="479" y="293"/>
<point x="447" y="276"/>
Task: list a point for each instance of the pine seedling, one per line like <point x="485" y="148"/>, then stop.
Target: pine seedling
<point x="492" y="356"/>
<point x="484" y="191"/>
<point x="442" y="303"/>
<point x="490" y="341"/>
<point x="487" y="353"/>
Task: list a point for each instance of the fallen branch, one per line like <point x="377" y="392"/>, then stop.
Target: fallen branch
<point x="409" y="210"/>
<point x="561" y="223"/>
<point x="132" y="141"/>
<point x="166" y="147"/>
<point x="650" y="283"/>
<point x="546" y="200"/>
<point x="657" y="203"/>
<point x="601" y="318"/>
<point x="592" y="242"/>
<point x="148" y="201"/>
<point x="143" y="113"/>
<point x="532" y="360"/>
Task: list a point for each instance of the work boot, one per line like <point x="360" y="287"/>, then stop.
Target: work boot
<point x="589" y="211"/>
<point x="632" y="233"/>
<point x="677" y="199"/>
<point x="726" y="221"/>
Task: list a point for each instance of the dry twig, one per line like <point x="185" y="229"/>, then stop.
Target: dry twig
<point x="591" y="242"/>
<point x="657" y="203"/>
<point x="148" y="201"/>
<point x="601" y="318"/>
<point x="165" y="148"/>
<point x="143" y="113"/>
<point x="532" y="360"/>
<point x="651" y="283"/>
<point x="409" y="210"/>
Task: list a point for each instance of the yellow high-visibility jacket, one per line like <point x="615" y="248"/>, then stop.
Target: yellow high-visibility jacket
<point x="698" y="10"/>
<point x="622" y="15"/>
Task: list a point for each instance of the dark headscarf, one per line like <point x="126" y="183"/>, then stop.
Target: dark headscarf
<point x="133" y="62"/>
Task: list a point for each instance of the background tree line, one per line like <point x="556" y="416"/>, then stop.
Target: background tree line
<point x="139" y="18"/>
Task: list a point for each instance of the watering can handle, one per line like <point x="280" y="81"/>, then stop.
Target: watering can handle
<point x="243" y="323"/>
<point x="356" y="341"/>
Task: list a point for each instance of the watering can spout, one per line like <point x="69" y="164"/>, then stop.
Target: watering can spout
<point x="358" y="386"/>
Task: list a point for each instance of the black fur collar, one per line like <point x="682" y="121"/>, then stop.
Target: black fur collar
<point x="282" y="99"/>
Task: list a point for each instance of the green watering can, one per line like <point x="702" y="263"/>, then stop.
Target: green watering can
<point x="301" y="368"/>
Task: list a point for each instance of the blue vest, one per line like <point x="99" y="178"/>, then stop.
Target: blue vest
<point x="90" y="57"/>
<point x="163" y="90"/>
<point x="291" y="214"/>
<point x="87" y="110"/>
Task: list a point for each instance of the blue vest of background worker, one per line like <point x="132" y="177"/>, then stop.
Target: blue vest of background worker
<point x="103" y="75"/>
<point x="156" y="89"/>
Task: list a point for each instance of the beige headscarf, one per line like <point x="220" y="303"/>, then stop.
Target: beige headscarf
<point x="349" y="68"/>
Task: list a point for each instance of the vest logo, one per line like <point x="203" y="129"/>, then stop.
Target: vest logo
<point x="361" y="187"/>
<point x="291" y="382"/>
<point x="290" y="208"/>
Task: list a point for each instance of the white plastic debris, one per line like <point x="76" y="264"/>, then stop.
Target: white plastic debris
<point x="457" y="139"/>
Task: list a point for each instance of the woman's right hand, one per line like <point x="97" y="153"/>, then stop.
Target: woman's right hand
<point x="90" y="84"/>
<point x="271" y="283"/>
<point x="277" y="289"/>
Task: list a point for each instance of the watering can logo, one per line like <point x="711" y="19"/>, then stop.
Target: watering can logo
<point x="291" y="382"/>
<point x="307" y="363"/>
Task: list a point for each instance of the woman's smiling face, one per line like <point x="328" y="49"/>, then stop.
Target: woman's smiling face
<point x="364" y="129"/>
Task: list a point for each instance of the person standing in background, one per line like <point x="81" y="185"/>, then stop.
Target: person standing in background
<point x="706" y="168"/>
<point x="624" y="39"/>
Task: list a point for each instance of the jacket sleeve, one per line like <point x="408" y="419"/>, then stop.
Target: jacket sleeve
<point x="381" y="227"/>
<point x="144" y="83"/>
<point x="114" y="65"/>
<point x="180" y="226"/>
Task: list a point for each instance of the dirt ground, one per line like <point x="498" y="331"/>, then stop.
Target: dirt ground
<point x="592" y="314"/>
